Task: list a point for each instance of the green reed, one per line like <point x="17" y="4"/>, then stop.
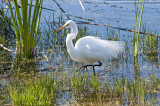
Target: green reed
<point x="138" y="21"/>
<point x="28" y="24"/>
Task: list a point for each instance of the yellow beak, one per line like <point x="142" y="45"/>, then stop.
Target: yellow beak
<point x="62" y="27"/>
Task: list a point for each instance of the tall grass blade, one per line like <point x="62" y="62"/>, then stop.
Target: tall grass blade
<point x="38" y="24"/>
<point x="14" y="24"/>
<point x="138" y="11"/>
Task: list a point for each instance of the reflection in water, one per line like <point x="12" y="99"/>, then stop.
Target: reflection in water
<point x="5" y="61"/>
<point x="136" y="68"/>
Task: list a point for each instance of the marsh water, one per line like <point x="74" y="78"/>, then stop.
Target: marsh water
<point x="117" y="13"/>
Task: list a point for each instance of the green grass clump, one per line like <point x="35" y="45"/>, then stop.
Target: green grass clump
<point x="79" y="83"/>
<point x="150" y="47"/>
<point x="95" y="84"/>
<point x="40" y="90"/>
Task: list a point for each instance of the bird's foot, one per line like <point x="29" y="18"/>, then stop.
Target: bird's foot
<point x="85" y="67"/>
<point x="82" y="68"/>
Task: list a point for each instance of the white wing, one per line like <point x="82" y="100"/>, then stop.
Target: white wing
<point x="94" y="49"/>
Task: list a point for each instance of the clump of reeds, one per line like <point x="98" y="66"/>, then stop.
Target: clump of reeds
<point x="28" y="24"/>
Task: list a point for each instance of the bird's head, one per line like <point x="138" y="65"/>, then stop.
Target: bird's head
<point x="69" y="24"/>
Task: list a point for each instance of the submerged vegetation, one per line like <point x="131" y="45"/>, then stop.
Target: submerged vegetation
<point x="52" y="79"/>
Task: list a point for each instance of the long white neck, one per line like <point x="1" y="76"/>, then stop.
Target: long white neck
<point x="70" y="47"/>
<point x="69" y="43"/>
<point x="74" y="31"/>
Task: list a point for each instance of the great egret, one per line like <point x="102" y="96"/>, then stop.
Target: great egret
<point x="90" y="49"/>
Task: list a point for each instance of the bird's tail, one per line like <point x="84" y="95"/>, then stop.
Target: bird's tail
<point x="119" y="46"/>
<point x="116" y="47"/>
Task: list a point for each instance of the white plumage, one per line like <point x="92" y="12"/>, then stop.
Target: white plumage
<point x="93" y="49"/>
<point x="90" y="49"/>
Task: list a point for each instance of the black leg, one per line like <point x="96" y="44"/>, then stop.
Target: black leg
<point x="85" y="67"/>
<point x="94" y="70"/>
<point x="100" y="64"/>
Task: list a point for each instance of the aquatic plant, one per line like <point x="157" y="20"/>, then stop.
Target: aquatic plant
<point x="138" y="22"/>
<point x="28" y="25"/>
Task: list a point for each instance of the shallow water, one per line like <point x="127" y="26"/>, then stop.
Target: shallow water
<point x="118" y="13"/>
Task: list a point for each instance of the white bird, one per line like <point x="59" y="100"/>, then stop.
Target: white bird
<point x="90" y="49"/>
